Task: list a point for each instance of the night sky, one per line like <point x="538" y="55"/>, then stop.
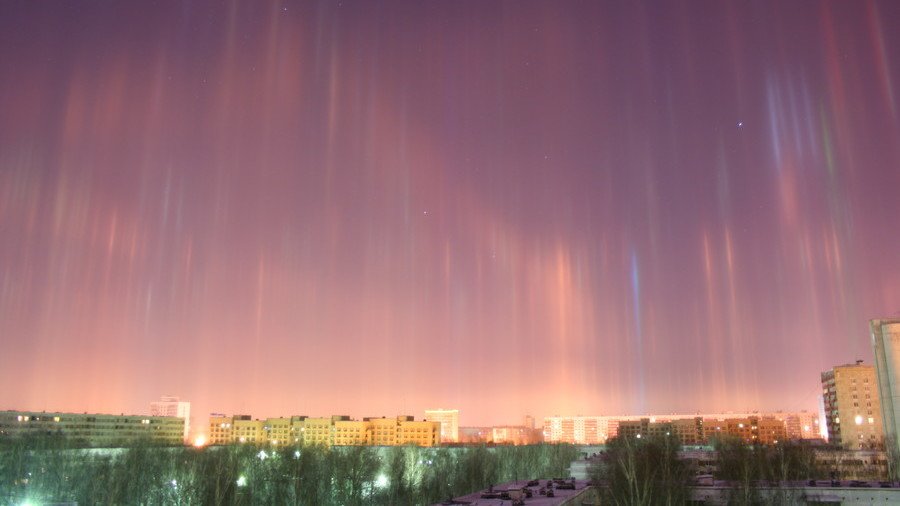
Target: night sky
<point x="374" y="208"/>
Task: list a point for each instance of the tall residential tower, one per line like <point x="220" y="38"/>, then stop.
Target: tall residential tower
<point x="886" y="342"/>
<point x="852" y="408"/>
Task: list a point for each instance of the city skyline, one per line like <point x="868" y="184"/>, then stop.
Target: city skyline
<point x="381" y="207"/>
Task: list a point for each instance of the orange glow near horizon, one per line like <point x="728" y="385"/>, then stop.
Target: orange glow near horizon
<point x="377" y="208"/>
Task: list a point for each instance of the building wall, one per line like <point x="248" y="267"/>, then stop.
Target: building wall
<point x="384" y="431"/>
<point x="577" y="429"/>
<point x="886" y="344"/>
<point x="248" y="431"/>
<point x="172" y="406"/>
<point x="351" y="433"/>
<point x="318" y="431"/>
<point x="332" y="431"/>
<point x="279" y="431"/>
<point x="100" y="430"/>
<point x="422" y="433"/>
<point x="852" y="407"/>
<point x="690" y="429"/>
<point x="449" y="420"/>
<point x="516" y="435"/>
<point x="220" y="429"/>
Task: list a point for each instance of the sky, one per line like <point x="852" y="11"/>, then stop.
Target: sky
<point x="508" y="208"/>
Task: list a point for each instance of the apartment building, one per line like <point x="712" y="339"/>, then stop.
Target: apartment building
<point x="852" y="406"/>
<point x="94" y="429"/>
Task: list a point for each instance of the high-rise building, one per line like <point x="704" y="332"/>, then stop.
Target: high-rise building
<point x="168" y="405"/>
<point x="886" y="343"/>
<point x="449" y="419"/>
<point x="852" y="407"/>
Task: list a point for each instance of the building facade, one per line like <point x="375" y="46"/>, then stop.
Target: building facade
<point x="449" y="420"/>
<point x="171" y="406"/>
<point x="852" y="406"/>
<point x="885" y="334"/>
<point x="92" y="429"/>
<point x="338" y="430"/>
<point x="689" y="429"/>
<point x="220" y="429"/>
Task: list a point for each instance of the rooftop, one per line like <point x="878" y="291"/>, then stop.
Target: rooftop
<point x="541" y="494"/>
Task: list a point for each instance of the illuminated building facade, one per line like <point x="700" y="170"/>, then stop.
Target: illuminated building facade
<point x="172" y="406"/>
<point x="753" y="429"/>
<point x="247" y="430"/>
<point x="449" y="420"/>
<point x="516" y="435"/>
<point x="420" y="433"/>
<point x="337" y="430"/>
<point x="852" y="406"/>
<point x="351" y="433"/>
<point x="220" y="429"/>
<point x="802" y="425"/>
<point x="279" y="431"/>
<point x="576" y="429"/>
<point x="97" y="430"/>
<point x="885" y="335"/>
<point x="689" y="429"/>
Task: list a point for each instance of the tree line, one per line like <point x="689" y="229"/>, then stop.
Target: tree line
<point x="51" y="470"/>
<point x="649" y="471"/>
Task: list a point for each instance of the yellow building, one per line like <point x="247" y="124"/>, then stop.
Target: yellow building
<point x="383" y="431"/>
<point x="298" y="429"/>
<point x="220" y="429"/>
<point x="422" y="433"/>
<point x="318" y="431"/>
<point x="333" y="431"/>
<point x="279" y="431"/>
<point x="852" y="406"/>
<point x="246" y="430"/>
<point x="99" y="430"/>
<point x="351" y="433"/>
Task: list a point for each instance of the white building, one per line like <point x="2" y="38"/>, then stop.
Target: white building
<point x="449" y="419"/>
<point x="168" y="405"/>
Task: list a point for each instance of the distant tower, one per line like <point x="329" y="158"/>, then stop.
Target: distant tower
<point x="886" y="342"/>
<point x="168" y="405"/>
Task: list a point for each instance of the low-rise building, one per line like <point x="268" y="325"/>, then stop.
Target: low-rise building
<point x="220" y="430"/>
<point x="420" y="433"/>
<point x="337" y="430"/>
<point x="247" y="430"/>
<point x="94" y="429"/>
